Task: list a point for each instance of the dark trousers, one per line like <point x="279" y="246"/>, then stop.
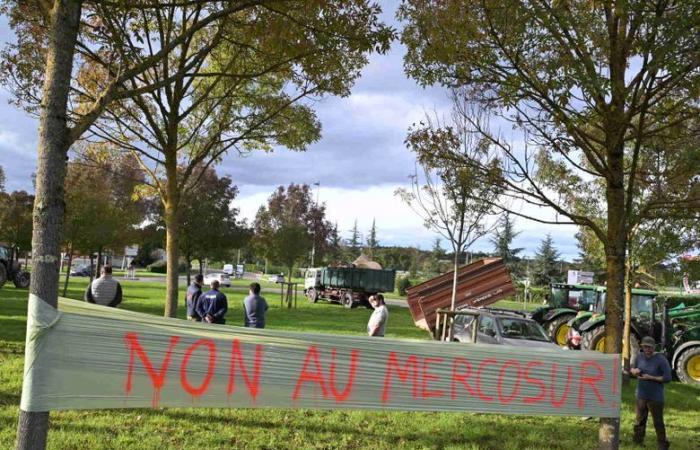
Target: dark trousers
<point x="657" y="415"/>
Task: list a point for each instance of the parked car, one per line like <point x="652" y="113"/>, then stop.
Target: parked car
<point x="500" y="327"/>
<point x="81" y="271"/>
<point x="276" y="278"/>
<point x="223" y="278"/>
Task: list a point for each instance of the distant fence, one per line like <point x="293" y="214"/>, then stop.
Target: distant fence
<point x="90" y="357"/>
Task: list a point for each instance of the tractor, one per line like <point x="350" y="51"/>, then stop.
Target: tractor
<point x="562" y="305"/>
<point x="676" y="329"/>
<point x="11" y="269"/>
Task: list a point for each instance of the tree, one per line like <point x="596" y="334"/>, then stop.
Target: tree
<point x="208" y="221"/>
<point x="372" y="241"/>
<point x="237" y="86"/>
<point x="354" y="242"/>
<point x="502" y="240"/>
<point x="2" y="179"/>
<point x="587" y="83"/>
<point x="16" y="220"/>
<point x="450" y="200"/>
<point x="291" y="214"/>
<point x="546" y="257"/>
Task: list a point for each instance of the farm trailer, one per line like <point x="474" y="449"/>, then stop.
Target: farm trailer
<point x="349" y="286"/>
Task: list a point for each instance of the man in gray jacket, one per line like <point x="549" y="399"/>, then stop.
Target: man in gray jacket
<point x="105" y="290"/>
<point x="254" y="308"/>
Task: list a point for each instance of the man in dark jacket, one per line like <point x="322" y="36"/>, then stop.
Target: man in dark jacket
<point x="254" y="308"/>
<point x="193" y="293"/>
<point x="651" y="370"/>
<point x="212" y="305"/>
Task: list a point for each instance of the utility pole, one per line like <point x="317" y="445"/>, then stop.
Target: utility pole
<point x="313" y="243"/>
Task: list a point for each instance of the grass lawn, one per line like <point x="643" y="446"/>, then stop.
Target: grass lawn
<point x="304" y="429"/>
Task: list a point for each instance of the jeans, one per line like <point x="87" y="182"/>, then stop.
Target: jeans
<point x="657" y="414"/>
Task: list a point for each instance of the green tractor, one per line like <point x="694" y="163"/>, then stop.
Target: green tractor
<point x="564" y="302"/>
<point x="11" y="269"/>
<point x="676" y="329"/>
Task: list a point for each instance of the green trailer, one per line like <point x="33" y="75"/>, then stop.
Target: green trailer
<point x="350" y="286"/>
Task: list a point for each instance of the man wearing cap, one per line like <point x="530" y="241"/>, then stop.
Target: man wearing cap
<point x="652" y="371"/>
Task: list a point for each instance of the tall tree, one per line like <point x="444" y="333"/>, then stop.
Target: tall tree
<point x="372" y="241"/>
<point x="546" y="257"/>
<point x="209" y="225"/>
<point x="284" y="228"/>
<point x="237" y="86"/>
<point x="450" y="199"/>
<point x="502" y="240"/>
<point x="588" y="83"/>
<point x="354" y="243"/>
<point x="2" y="179"/>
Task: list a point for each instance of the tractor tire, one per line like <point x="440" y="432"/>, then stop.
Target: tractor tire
<point x="594" y="339"/>
<point x="346" y="299"/>
<point x="21" y="280"/>
<point x="3" y="274"/>
<point x="688" y="366"/>
<point x="312" y="295"/>
<point x="558" y="328"/>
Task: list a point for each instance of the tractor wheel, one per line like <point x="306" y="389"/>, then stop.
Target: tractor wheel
<point x="347" y="299"/>
<point x="688" y="367"/>
<point x="21" y="280"/>
<point x="312" y="295"/>
<point x="3" y="274"/>
<point x="594" y="339"/>
<point x="558" y="328"/>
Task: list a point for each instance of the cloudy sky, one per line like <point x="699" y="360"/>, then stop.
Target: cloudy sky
<point x="359" y="162"/>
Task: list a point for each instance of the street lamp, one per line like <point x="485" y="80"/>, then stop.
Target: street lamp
<point x="313" y="243"/>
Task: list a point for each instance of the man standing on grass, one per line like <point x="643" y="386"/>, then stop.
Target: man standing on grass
<point x="377" y="322"/>
<point x="105" y="291"/>
<point x="652" y="371"/>
<point x="193" y="292"/>
<point x="212" y="305"/>
<point x="254" y="308"/>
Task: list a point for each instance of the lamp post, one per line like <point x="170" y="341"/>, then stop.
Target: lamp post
<point x="313" y="243"/>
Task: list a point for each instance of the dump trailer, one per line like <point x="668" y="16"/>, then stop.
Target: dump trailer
<point x="480" y="283"/>
<point x="349" y="286"/>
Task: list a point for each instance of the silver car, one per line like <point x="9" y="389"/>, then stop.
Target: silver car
<point x="501" y="328"/>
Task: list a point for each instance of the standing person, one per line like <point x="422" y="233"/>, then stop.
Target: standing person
<point x="105" y="291"/>
<point x="212" y="305"/>
<point x="254" y="308"/>
<point x="193" y="292"/>
<point x="377" y="321"/>
<point x="652" y="371"/>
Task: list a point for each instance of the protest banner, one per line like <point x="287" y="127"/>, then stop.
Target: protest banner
<point x="85" y="356"/>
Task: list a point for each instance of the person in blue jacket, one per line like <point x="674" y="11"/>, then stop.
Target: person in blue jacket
<point x="652" y="371"/>
<point x="212" y="305"/>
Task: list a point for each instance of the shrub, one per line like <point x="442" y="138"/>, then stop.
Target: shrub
<point x="402" y="283"/>
<point x="161" y="267"/>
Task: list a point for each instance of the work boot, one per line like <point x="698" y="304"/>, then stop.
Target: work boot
<point x="665" y="445"/>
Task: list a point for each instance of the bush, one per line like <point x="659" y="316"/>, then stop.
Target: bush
<point x="402" y="283"/>
<point x="161" y="267"/>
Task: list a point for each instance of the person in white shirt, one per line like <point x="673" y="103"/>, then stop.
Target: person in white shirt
<point x="377" y="322"/>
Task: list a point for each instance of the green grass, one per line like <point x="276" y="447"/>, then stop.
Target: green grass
<point x="304" y="429"/>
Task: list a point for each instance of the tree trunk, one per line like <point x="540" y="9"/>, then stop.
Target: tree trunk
<point x="189" y="268"/>
<point x="54" y="140"/>
<point x="92" y="267"/>
<point x="99" y="260"/>
<point x="172" y="226"/>
<point x="70" y="264"/>
<point x="626" y="349"/>
<point x="289" y="287"/>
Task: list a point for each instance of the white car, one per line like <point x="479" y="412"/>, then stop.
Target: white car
<point x="276" y="278"/>
<point x="223" y="278"/>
